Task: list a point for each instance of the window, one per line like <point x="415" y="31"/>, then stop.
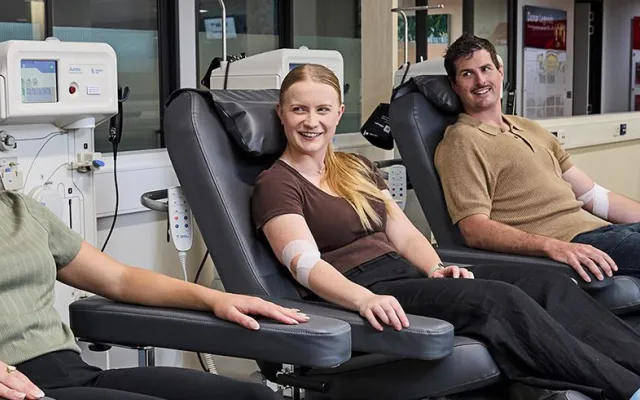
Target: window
<point x="131" y="28"/>
<point x="490" y="22"/>
<point x="258" y="26"/>
<point x="334" y="25"/>
<point x="22" y="20"/>
<point x="252" y="28"/>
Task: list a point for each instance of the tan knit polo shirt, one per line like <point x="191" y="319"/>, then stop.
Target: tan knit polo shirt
<point x="514" y="177"/>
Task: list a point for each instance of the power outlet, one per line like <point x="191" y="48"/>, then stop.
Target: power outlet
<point x="560" y="135"/>
<point x="622" y="129"/>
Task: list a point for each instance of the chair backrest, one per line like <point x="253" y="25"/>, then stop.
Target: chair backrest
<point x="219" y="141"/>
<point x="418" y="115"/>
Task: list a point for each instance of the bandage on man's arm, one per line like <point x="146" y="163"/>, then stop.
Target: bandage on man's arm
<point x="293" y="244"/>
<point x="600" y="201"/>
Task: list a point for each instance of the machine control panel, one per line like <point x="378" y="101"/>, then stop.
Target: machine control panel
<point x="180" y="224"/>
<point x="57" y="82"/>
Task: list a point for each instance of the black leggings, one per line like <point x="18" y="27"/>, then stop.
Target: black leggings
<point x="539" y="326"/>
<point x="65" y="376"/>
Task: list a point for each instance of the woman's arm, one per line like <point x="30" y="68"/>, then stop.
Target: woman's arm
<point x="327" y="282"/>
<point x="415" y="247"/>
<point x="95" y="272"/>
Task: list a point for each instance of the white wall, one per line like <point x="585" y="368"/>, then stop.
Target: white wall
<point x="567" y="5"/>
<point x="616" y="55"/>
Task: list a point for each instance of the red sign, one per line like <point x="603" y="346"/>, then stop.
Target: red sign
<point x="635" y="28"/>
<point x="545" y="28"/>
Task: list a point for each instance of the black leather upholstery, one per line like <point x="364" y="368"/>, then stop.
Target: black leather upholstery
<point x="469" y="367"/>
<point x="322" y="342"/>
<point x="425" y="339"/>
<point x="217" y="177"/>
<point x="418" y="127"/>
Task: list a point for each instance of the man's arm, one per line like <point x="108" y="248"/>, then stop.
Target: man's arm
<point x="481" y="232"/>
<point x="95" y="272"/>
<point x="622" y="210"/>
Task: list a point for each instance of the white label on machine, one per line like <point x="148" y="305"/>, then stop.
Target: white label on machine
<point x="88" y="69"/>
<point x="93" y="89"/>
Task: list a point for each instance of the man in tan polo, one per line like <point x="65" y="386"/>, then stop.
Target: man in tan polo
<point x="511" y="188"/>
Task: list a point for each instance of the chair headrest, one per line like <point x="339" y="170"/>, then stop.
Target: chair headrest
<point x="249" y="116"/>
<point x="437" y="90"/>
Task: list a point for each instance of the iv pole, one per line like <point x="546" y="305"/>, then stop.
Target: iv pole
<point x="401" y="11"/>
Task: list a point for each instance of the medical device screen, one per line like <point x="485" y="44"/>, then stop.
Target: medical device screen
<point x="39" y="81"/>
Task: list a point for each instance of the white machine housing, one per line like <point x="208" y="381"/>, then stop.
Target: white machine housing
<point x="47" y="129"/>
<point x="267" y="70"/>
<point x="57" y="82"/>
<point x="428" y="67"/>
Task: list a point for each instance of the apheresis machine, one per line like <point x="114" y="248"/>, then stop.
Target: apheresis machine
<point x="267" y="70"/>
<point x="52" y="96"/>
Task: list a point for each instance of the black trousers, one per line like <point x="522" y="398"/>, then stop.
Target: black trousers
<point x="539" y="326"/>
<point x="65" y="376"/>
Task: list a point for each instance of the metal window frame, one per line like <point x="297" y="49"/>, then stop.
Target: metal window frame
<point x="168" y="56"/>
<point x="422" y="18"/>
<point x="168" y="53"/>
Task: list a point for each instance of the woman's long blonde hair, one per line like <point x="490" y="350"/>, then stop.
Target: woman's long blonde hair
<point x="347" y="175"/>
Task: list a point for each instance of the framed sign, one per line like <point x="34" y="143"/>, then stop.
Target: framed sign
<point x="545" y="28"/>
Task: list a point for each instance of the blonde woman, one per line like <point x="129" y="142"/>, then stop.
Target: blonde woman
<point x="330" y="220"/>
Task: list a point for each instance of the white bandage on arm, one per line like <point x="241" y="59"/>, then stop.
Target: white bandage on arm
<point x="600" y="197"/>
<point x="309" y="257"/>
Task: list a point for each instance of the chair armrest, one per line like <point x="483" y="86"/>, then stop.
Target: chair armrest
<point x="425" y="339"/>
<point x="320" y="342"/>
<point x="467" y="255"/>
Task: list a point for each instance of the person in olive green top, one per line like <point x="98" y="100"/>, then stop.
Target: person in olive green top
<point x="38" y="352"/>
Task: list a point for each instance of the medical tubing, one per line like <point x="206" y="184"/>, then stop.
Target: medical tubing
<point x="117" y="193"/>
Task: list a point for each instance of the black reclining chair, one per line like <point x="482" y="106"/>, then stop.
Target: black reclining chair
<point x="419" y="114"/>
<point x="103" y="323"/>
<point x="219" y="141"/>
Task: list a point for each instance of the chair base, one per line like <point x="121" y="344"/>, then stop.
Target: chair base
<point x="373" y="376"/>
<point x="146" y="354"/>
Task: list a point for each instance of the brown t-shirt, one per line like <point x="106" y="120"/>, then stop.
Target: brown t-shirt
<point x="514" y="177"/>
<point x="342" y="240"/>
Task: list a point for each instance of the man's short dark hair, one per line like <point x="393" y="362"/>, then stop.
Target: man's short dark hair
<point x="464" y="47"/>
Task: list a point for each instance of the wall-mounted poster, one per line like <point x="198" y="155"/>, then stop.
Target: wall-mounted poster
<point x="634" y="99"/>
<point x="547" y="84"/>
<point x="545" y="28"/>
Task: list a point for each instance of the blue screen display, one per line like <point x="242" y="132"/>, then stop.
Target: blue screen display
<point x="39" y="81"/>
<point x="292" y="66"/>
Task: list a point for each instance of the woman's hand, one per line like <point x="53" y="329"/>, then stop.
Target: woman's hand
<point x="452" y="271"/>
<point x="386" y="309"/>
<point x="15" y="386"/>
<point x="236" y="308"/>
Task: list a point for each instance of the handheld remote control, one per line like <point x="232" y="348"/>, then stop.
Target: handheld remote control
<point x="398" y="184"/>
<point x="180" y="223"/>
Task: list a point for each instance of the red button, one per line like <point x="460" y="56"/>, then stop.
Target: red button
<point x="72" y="89"/>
